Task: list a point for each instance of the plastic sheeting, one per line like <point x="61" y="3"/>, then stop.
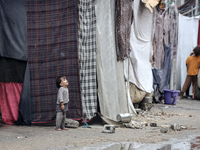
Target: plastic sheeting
<point x="111" y="83"/>
<point x="141" y="48"/>
<point x="187" y="40"/>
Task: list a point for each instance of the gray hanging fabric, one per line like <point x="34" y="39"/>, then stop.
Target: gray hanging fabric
<point x="161" y="77"/>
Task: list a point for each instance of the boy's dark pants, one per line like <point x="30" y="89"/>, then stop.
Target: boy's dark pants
<point x="190" y="79"/>
<point x="60" y="120"/>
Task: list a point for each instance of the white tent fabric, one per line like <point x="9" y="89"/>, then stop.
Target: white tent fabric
<point x="110" y="73"/>
<point x="141" y="48"/>
<point x="187" y="40"/>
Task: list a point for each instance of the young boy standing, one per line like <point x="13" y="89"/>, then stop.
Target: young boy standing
<point x="62" y="102"/>
<point x="193" y="64"/>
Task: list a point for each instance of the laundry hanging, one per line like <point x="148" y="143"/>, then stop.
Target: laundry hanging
<point x="87" y="57"/>
<point x="159" y="53"/>
<point x="53" y="51"/>
<point x="161" y="78"/>
<point x="173" y="26"/>
<point x="123" y="27"/>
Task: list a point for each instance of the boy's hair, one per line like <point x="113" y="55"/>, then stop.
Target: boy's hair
<point x="58" y="81"/>
<point x="196" y="50"/>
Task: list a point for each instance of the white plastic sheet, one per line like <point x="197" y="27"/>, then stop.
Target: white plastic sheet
<point x="141" y="48"/>
<point x="187" y="40"/>
<point x="110" y="73"/>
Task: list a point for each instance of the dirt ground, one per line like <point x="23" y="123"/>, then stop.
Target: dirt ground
<point x="186" y="112"/>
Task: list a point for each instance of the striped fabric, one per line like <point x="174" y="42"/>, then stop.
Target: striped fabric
<point x="87" y="57"/>
<point x="52" y="51"/>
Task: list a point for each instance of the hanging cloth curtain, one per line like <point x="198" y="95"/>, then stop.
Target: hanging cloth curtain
<point x="110" y="73"/>
<point x="53" y="51"/>
<point x="9" y="101"/>
<point x="87" y="57"/>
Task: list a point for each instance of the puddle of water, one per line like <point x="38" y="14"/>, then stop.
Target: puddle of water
<point x="191" y="143"/>
<point x="195" y="144"/>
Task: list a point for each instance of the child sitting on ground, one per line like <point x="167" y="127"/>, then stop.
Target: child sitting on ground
<point x="62" y="102"/>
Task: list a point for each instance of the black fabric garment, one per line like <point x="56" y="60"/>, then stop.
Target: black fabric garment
<point x="13" y="44"/>
<point x="12" y="70"/>
<point x="25" y="116"/>
<point x="13" y="29"/>
<point x="161" y="78"/>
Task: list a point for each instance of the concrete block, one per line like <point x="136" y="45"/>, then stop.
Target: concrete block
<point x="176" y="127"/>
<point x="108" y="129"/>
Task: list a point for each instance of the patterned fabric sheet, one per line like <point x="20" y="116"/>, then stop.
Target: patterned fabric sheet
<point x="87" y="57"/>
<point x="52" y="51"/>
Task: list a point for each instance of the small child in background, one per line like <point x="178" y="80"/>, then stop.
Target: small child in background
<point x="62" y="102"/>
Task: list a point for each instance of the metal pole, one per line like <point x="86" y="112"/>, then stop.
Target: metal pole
<point x="197" y="7"/>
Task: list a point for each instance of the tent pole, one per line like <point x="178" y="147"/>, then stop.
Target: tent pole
<point x="197" y="7"/>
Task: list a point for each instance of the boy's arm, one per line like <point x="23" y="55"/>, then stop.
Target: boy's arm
<point x="62" y="105"/>
<point x="60" y="98"/>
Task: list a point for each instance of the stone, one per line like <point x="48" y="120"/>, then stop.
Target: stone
<point x="69" y="123"/>
<point x="138" y="110"/>
<point x="147" y="100"/>
<point x="163" y="130"/>
<point x="153" y="124"/>
<point x="146" y="106"/>
<point x="133" y="124"/>
<point x="183" y="127"/>
<point x="144" y="123"/>
<point x="166" y="126"/>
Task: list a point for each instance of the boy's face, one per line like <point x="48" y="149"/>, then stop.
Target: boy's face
<point x="64" y="82"/>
